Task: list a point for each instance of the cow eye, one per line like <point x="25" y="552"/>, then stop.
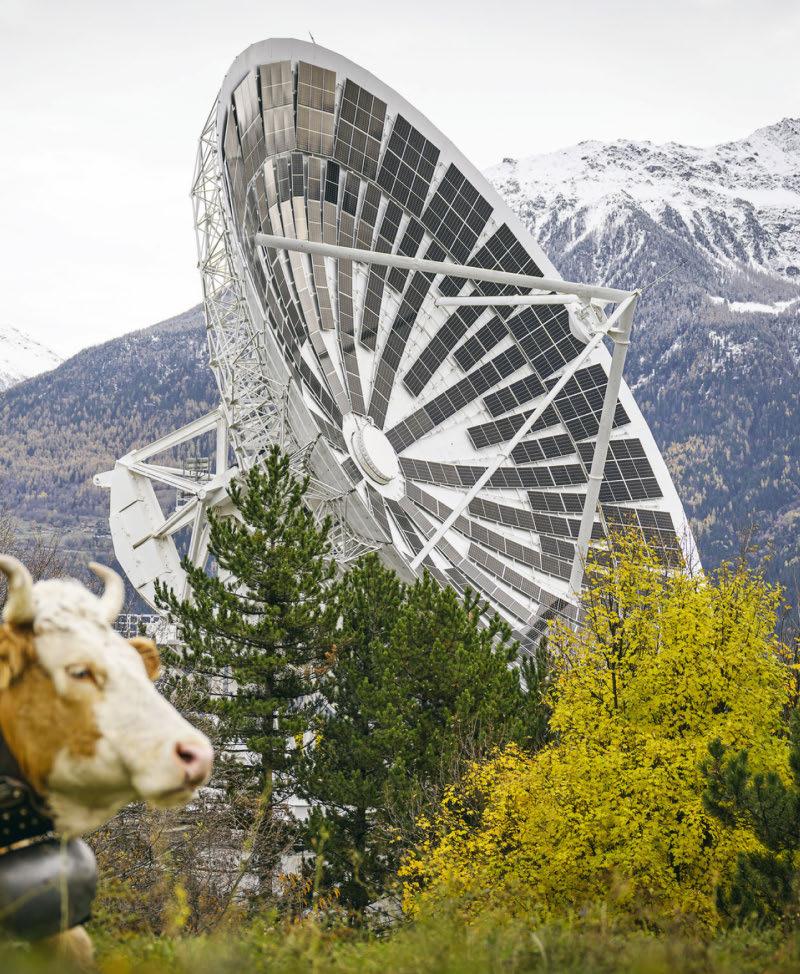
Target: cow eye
<point x="80" y="673"/>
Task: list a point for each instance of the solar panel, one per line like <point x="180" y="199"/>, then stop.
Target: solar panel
<point x="397" y="406"/>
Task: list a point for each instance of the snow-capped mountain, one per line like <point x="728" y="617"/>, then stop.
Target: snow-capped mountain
<point x="715" y="361"/>
<point x="737" y="204"/>
<point x="21" y="357"/>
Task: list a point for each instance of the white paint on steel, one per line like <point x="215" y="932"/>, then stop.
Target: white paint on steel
<point x="621" y="336"/>
<point x="262" y="404"/>
<point x="375" y="454"/>
<point x="511" y="301"/>
<point x="439" y="267"/>
<point x="143" y="536"/>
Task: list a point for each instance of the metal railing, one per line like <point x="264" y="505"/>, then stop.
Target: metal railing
<point x="131" y="624"/>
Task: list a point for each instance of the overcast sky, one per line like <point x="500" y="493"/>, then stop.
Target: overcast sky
<point x="102" y="101"/>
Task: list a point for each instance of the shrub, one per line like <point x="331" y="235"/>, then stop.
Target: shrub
<point x="612" y="809"/>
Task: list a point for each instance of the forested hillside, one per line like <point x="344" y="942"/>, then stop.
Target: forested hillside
<point x="60" y="429"/>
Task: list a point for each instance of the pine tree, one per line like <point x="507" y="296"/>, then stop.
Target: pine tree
<point x="260" y="622"/>
<point x="346" y="768"/>
<point x="537" y="676"/>
<point x="420" y="683"/>
<point x="765" y="885"/>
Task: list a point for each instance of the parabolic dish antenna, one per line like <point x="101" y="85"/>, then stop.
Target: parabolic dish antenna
<point x="374" y="307"/>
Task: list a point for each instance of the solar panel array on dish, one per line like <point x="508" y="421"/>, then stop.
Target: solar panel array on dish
<point x="359" y="130"/>
<point x="316" y="155"/>
<point x="408" y="166"/>
<point x="316" y="95"/>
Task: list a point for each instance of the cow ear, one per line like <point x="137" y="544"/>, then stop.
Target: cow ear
<point x="148" y="650"/>
<point x="16" y="651"/>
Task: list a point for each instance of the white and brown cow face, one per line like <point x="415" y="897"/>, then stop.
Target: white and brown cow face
<point x="78" y="708"/>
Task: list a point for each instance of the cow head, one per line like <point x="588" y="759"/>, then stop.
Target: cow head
<point x="78" y="708"/>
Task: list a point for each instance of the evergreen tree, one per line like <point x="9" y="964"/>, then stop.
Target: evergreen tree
<point x="260" y="622"/>
<point x="346" y="768"/>
<point x="537" y="676"/>
<point x="765" y="885"/>
<point x="420" y="683"/>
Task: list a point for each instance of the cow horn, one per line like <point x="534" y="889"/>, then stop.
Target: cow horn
<point x="113" y="597"/>
<point x="19" y="609"/>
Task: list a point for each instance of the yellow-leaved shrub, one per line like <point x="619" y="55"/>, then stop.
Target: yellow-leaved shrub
<point x="610" y="814"/>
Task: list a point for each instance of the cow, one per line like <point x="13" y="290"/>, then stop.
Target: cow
<point x="82" y="725"/>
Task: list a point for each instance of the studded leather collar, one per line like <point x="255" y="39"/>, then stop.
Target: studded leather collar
<point x="23" y="816"/>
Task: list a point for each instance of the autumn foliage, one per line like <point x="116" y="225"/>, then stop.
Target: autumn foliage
<point x="610" y="814"/>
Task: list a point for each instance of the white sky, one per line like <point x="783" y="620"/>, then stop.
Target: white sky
<point x="102" y="101"/>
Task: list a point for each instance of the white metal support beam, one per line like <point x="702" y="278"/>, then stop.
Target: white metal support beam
<point x="508" y="301"/>
<point x="618" y="327"/>
<point x="529" y="423"/>
<point x="621" y="336"/>
<point x="204" y="424"/>
<point x="170" y="476"/>
<point x="221" y="449"/>
<point x="585" y="291"/>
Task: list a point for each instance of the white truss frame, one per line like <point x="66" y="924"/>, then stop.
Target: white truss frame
<point x="252" y="410"/>
<point x="262" y="397"/>
<point x="253" y="415"/>
<point x="254" y="404"/>
<point x="143" y="534"/>
<point x="617" y="327"/>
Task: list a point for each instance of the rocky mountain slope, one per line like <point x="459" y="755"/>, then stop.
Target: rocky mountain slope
<point x="715" y="363"/>
<point x="21" y="357"/>
<point x="736" y="205"/>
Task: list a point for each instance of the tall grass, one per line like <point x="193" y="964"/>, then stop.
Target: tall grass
<point x="435" y="946"/>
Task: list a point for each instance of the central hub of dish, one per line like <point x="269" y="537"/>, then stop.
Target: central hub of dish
<point x="374" y="453"/>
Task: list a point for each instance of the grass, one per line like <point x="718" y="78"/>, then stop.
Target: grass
<point x="440" y="946"/>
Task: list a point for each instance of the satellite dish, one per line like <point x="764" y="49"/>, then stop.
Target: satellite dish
<point x="375" y="308"/>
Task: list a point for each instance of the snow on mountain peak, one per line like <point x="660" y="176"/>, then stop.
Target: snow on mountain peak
<point x="21" y="357"/>
<point x="739" y="201"/>
<point x="785" y="134"/>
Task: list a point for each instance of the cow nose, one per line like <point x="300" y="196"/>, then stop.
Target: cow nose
<point x="196" y="758"/>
